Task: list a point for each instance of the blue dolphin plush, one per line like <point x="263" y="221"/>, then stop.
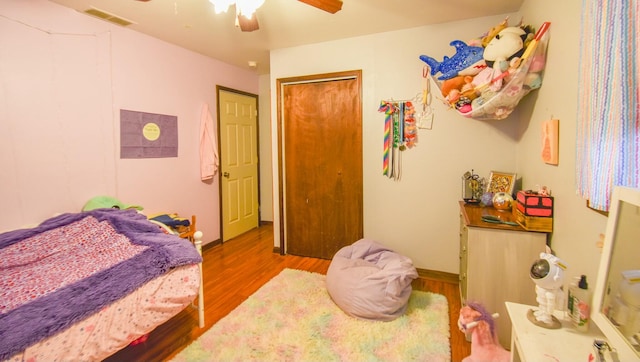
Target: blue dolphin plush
<point x="465" y="57"/>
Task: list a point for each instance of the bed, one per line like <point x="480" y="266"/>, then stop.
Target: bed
<point x="81" y="286"/>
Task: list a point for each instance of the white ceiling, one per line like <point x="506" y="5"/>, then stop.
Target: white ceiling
<point x="193" y="24"/>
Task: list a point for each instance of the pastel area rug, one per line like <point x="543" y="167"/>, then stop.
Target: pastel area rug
<point x="292" y="318"/>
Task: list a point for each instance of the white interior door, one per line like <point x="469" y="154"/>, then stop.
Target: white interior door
<point x="238" y="120"/>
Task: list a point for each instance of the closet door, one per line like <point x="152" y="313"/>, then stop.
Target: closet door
<point x="322" y="132"/>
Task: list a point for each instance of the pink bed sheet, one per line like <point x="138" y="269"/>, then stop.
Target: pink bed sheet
<point x="114" y="327"/>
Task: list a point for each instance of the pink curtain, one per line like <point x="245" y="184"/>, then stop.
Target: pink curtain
<point x="608" y="136"/>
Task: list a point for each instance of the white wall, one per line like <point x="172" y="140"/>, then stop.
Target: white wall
<point x="418" y="216"/>
<point x="59" y="144"/>
<point x="65" y="76"/>
<point x="266" y="182"/>
<point x="577" y="228"/>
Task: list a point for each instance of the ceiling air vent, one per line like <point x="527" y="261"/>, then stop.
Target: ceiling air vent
<point x="112" y="18"/>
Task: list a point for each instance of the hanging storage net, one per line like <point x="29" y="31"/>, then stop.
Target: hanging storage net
<point x="486" y="78"/>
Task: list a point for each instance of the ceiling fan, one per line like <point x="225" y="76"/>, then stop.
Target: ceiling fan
<point x="245" y="10"/>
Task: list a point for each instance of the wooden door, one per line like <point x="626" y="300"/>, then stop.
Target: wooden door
<point x="322" y="157"/>
<point x="237" y="117"/>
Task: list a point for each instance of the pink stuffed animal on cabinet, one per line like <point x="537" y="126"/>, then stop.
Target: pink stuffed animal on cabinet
<point x="485" y="347"/>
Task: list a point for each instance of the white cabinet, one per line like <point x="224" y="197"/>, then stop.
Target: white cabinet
<point x="494" y="263"/>
<point x="531" y="343"/>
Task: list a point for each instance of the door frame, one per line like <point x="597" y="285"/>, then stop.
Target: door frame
<point x="280" y="83"/>
<point x="219" y="89"/>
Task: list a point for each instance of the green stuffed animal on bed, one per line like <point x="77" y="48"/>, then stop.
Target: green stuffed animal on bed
<point x="107" y="202"/>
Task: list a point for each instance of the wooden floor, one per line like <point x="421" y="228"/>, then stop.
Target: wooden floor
<point x="235" y="270"/>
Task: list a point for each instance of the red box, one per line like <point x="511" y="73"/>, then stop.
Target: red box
<point x="533" y="204"/>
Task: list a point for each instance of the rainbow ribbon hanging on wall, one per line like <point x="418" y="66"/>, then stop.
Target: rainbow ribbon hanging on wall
<point x="388" y="110"/>
<point x="400" y="134"/>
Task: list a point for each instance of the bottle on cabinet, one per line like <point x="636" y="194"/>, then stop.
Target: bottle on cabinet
<point x="579" y="304"/>
<point x="572" y="286"/>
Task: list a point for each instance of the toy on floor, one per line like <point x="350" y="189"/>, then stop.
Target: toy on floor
<point x="485" y="347"/>
<point x="367" y="280"/>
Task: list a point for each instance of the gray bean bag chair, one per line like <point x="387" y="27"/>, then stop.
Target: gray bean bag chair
<point x="369" y="281"/>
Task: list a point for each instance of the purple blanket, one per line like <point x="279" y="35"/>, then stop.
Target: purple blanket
<point x="83" y="262"/>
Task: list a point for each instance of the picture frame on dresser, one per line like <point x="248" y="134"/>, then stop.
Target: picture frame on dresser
<point x="501" y="182"/>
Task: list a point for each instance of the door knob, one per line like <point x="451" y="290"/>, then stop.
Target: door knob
<point x="226" y="174"/>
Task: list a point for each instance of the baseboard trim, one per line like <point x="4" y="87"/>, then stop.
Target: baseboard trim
<point x="211" y="244"/>
<point x="422" y="273"/>
<point x="439" y="275"/>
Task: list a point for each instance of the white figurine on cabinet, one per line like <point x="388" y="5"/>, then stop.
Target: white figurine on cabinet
<point x="548" y="274"/>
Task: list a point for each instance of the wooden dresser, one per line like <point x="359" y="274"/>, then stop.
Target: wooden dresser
<point x="494" y="263"/>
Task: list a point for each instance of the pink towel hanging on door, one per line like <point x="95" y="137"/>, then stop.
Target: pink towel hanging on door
<point x="208" y="145"/>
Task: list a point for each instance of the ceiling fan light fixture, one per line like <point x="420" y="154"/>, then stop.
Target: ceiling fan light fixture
<point x="247" y="24"/>
<point x="243" y="7"/>
<point x="248" y="7"/>
<point x="221" y="6"/>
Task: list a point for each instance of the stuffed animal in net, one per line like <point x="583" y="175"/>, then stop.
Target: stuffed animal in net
<point x="475" y="319"/>
<point x="494" y="63"/>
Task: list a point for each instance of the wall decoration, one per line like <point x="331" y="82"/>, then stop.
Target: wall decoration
<point x="487" y="77"/>
<point x="425" y="114"/>
<point x="501" y="182"/>
<point x="148" y="135"/>
<point x="550" y="138"/>
<point x="400" y="134"/>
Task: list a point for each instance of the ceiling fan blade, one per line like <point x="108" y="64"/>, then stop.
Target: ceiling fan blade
<point x="247" y="24"/>
<point x="330" y="6"/>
